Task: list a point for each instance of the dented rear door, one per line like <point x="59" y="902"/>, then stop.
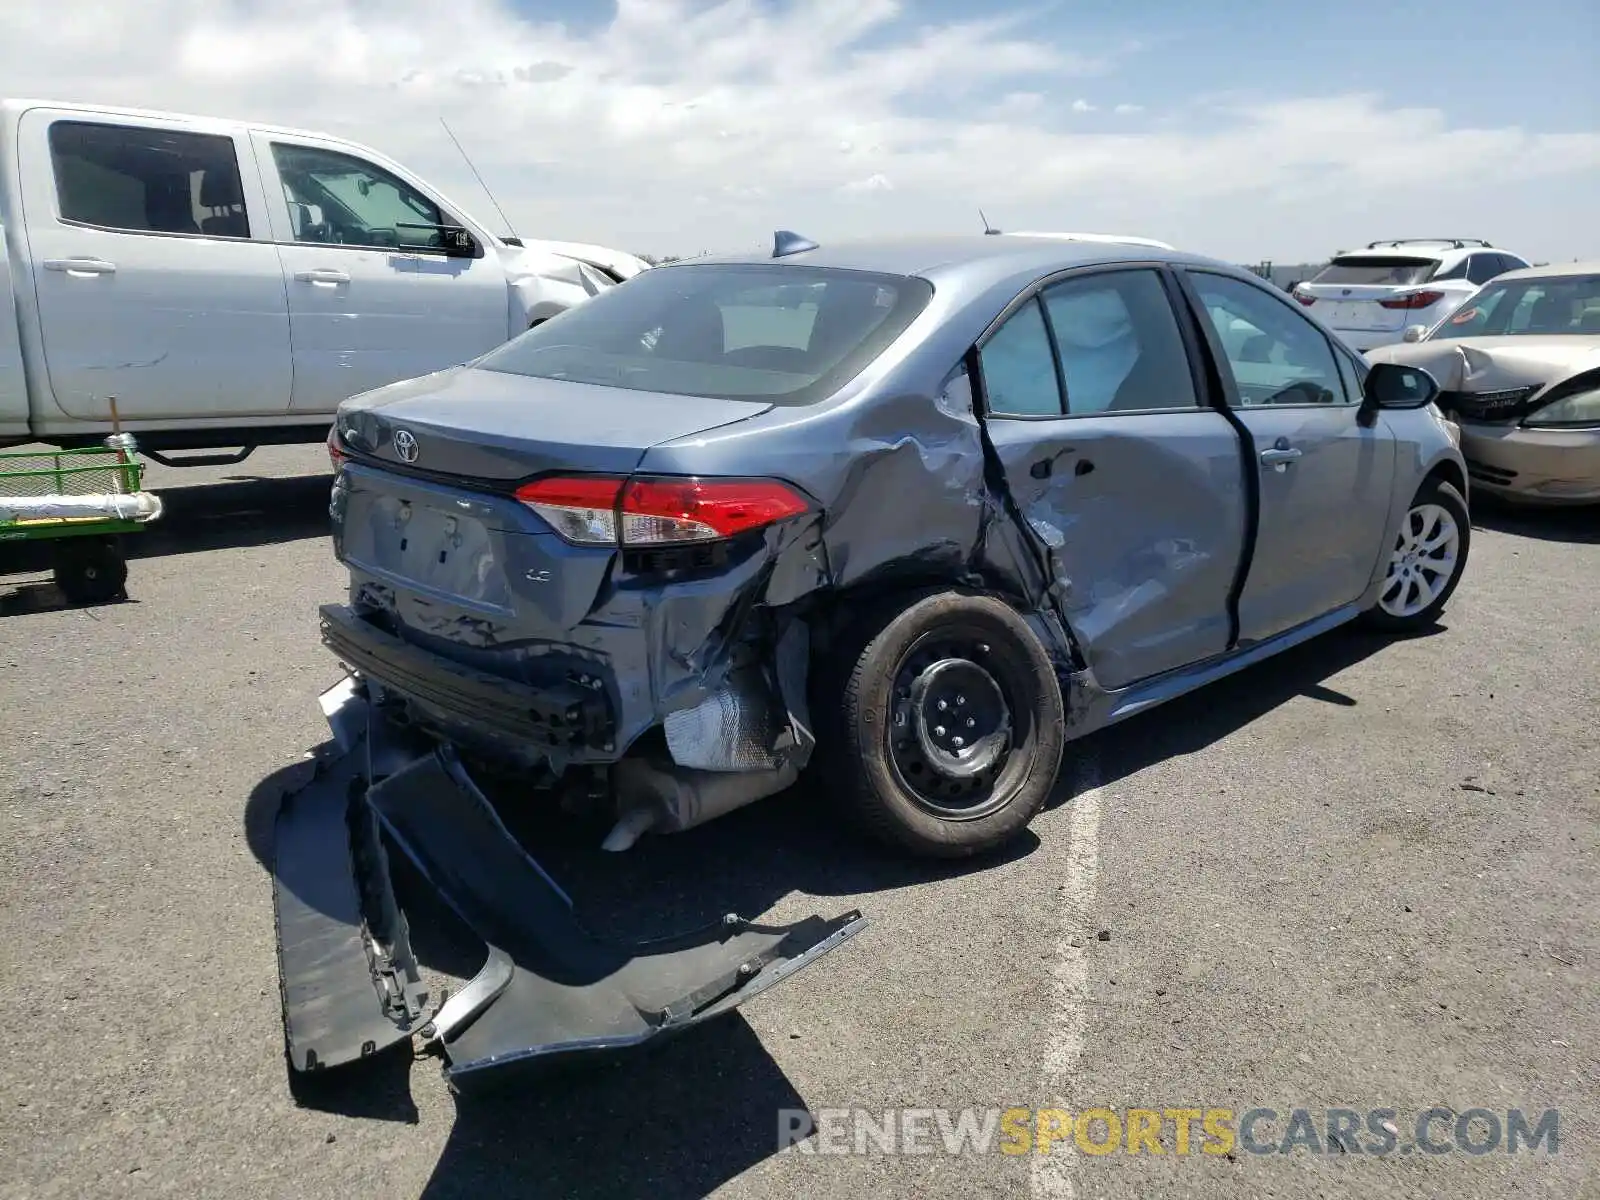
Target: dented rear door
<point x="1129" y="485"/>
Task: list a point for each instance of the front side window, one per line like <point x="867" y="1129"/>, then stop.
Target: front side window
<point x="783" y="333"/>
<point x="147" y="180"/>
<point x="1561" y="304"/>
<point x="1276" y="355"/>
<point x="1119" y="344"/>
<point x="338" y="199"/>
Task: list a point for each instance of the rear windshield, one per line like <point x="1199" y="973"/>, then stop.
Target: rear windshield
<point x="783" y="333"/>
<point x="1560" y="304"/>
<point x="1377" y="268"/>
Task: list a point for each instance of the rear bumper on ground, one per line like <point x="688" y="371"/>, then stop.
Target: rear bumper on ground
<point x="548" y="991"/>
<point x="1536" y="466"/>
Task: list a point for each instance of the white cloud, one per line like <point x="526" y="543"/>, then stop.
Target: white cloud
<point x="1082" y="106"/>
<point x="872" y="183"/>
<point x="1019" y="104"/>
<point x="1126" y="109"/>
<point x="682" y="124"/>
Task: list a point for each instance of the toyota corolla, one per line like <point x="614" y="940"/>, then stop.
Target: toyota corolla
<point x="909" y="514"/>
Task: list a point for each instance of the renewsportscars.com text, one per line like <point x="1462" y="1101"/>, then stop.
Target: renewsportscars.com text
<point x="1175" y="1130"/>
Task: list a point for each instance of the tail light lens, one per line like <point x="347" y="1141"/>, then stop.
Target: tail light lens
<point x="336" y="454"/>
<point x="1414" y="300"/>
<point x="1308" y="301"/>
<point x="597" y="510"/>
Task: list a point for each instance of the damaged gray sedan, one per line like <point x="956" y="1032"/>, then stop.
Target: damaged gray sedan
<point x="910" y="515"/>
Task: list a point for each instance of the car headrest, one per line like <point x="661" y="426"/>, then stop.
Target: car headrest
<point x="220" y="189"/>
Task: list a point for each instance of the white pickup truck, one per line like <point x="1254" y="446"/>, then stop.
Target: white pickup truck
<point x="222" y="284"/>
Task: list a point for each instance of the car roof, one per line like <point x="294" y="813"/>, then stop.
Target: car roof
<point x="1552" y="270"/>
<point x="1437" y="249"/>
<point x="985" y="255"/>
<point x="14" y="106"/>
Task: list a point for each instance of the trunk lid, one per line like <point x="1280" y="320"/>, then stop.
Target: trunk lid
<point x="1348" y="290"/>
<point x="494" y="427"/>
<point x="1357" y="307"/>
<point x="435" y="534"/>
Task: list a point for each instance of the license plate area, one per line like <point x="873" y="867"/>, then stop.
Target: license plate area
<point x="449" y="553"/>
<point x="1363" y="314"/>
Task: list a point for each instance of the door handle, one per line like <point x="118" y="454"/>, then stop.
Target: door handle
<point x="323" y="275"/>
<point x="1045" y="467"/>
<point x="1279" y="456"/>
<point x="81" y="267"/>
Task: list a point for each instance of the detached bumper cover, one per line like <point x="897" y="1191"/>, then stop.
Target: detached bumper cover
<point x="549" y="990"/>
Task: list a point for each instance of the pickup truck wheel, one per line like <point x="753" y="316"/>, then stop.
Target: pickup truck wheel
<point x="1425" y="562"/>
<point x="91" y="570"/>
<point x="949" y="730"/>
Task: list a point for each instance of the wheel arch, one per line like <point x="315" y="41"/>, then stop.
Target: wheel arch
<point x="834" y="613"/>
<point x="1447" y="470"/>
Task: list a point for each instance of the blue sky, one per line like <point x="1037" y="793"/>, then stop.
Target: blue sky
<point x="1245" y="130"/>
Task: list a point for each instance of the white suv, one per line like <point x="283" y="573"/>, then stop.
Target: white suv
<point x="1370" y="296"/>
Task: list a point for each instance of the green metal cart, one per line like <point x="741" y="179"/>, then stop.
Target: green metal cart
<point x="85" y="501"/>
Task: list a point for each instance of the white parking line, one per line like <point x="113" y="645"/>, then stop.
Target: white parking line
<point x="1051" y="1174"/>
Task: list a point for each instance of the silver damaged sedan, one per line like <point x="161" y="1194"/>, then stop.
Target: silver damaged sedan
<point x="922" y="511"/>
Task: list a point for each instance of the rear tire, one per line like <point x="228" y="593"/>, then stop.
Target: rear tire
<point x="91" y="570"/>
<point x="1425" y="563"/>
<point x="948" y="728"/>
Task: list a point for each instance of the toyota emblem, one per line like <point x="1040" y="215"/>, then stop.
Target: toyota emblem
<point x="405" y="445"/>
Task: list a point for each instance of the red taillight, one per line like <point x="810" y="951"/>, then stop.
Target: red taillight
<point x="582" y="509"/>
<point x="596" y="510"/>
<point x="1308" y="301"/>
<point x="1414" y="300"/>
<point x="656" y="511"/>
<point x="336" y="454"/>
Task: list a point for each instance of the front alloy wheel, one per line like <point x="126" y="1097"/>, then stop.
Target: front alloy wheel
<point x="1426" y="561"/>
<point x="1423" y="562"/>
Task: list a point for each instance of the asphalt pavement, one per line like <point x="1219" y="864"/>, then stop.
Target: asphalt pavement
<point x="1363" y="876"/>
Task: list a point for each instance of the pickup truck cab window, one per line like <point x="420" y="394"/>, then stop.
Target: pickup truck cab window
<point x="338" y="199"/>
<point x="147" y="180"/>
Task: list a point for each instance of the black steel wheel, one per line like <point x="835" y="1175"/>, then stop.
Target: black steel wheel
<point x="91" y="570"/>
<point x="949" y="727"/>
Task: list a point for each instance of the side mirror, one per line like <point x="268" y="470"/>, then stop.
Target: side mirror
<point x="458" y="243"/>
<point x="1414" y="333"/>
<point x="1394" y="385"/>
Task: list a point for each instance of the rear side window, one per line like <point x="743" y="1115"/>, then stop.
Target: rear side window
<point x="1393" y="269"/>
<point x="1019" y="372"/>
<point x="783" y="333"/>
<point x="1119" y="344"/>
<point x="1483" y="267"/>
<point x="148" y="180"/>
